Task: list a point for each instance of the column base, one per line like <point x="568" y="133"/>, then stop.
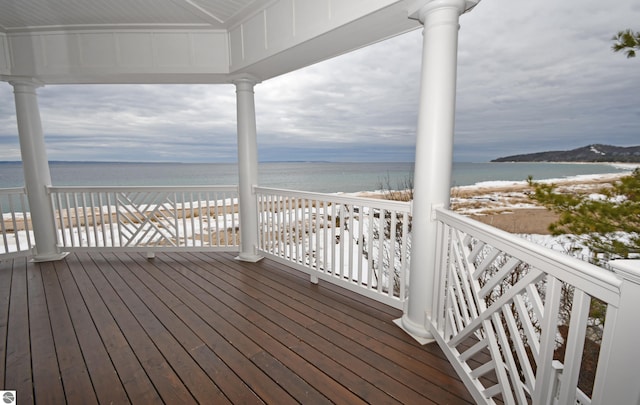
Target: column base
<point x="48" y="257"/>
<point x="249" y="257"/>
<point x="416" y="331"/>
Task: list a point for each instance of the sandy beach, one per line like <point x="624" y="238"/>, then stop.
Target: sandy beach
<point x="507" y="206"/>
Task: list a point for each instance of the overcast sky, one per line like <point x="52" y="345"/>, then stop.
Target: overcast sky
<point x="532" y="76"/>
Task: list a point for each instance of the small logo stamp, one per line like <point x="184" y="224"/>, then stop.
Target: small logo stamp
<point x="8" y="397"/>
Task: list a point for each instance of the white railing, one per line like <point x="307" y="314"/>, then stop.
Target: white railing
<point x="359" y="243"/>
<point x="505" y="308"/>
<point x="17" y="238"/>
<point x="146" y="218"/>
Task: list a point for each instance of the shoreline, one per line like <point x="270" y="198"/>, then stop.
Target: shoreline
<point x="502" y="204"/>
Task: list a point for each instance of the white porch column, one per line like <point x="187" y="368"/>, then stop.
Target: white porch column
<point x="434" y="146"/>
<point x="247" y="169"/>
<point x="36" y="170"/>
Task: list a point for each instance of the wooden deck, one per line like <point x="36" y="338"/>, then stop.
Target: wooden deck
<point x="193" y="327"/>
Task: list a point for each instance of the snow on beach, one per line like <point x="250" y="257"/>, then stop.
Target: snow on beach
<point x="506" y="205"/>
<point x="492" y="197"/>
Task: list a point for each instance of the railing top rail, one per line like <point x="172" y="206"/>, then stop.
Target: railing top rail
<point x="341" y="199"/>
<point x="106" y="189"/>
<point x="594" y="280"/>
<point x="12" y="190"/>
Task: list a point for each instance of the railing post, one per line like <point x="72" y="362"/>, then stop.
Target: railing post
<point x="619" y="363"/>
<point x="36" y="171"/>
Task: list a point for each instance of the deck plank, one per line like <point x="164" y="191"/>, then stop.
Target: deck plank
<point x="205" y="328"/>
<point x="73" y="370"/>
<point x="46" y="371"/>
<point x="348" y="322"/>
<point x="172" y="336"/>
<point x="6" y="273"/>
<point x="208" y="340"/>
<point x="372" y="385"/>
<point x="250" y="316"/>
<point x="134" y="378"/>
<point x="103" y="374"/>
<point x="244" y="338"/>
<point x="18" y="375"/>
<point x="164" y="378"/>
<point x="337" y="301"/>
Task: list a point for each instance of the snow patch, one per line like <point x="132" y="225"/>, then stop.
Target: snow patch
<point x="596" y="151"/>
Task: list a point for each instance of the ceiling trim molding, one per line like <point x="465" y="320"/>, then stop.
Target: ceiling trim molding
<point x="255" y="8"/>
<point x="111" y="28"/>
<point x="198" y="11"/>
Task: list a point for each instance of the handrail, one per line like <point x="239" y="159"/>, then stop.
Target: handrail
<point x="12" y="190"/>
<point x="390" y="205"/>
<point x="361" y="244"/>
<point x="53" y="189"/>
<point x="147" y="218"/>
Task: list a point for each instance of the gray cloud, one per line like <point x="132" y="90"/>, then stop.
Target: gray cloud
<point x="532" y="76"/>
<point x="540" y="75"/>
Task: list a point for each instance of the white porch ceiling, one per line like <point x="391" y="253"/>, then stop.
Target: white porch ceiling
<point x="30" y="15"/>
<point x="184" y="41"/>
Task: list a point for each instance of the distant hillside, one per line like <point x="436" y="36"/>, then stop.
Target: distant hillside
<point x="589" y="153"/>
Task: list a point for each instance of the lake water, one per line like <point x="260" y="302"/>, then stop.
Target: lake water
<point x="320" y="177"/>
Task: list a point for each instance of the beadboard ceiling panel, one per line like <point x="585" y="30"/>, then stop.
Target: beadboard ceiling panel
<point x="28" y="15"/>
<point x="184" y="41"/>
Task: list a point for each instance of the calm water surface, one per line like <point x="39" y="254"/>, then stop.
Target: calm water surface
<point x="320" y="177"/>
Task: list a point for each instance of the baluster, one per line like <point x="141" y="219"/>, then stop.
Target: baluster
<point x="545" y="374"/>
<point x="93" y="220"/>
<point x="404" y="257"/>
<point x="370" y="233"/>
<point x="361" y="242"/>
<point x="103" y="229"/>
<point x="225" y="209"/>
<point x="351" y="242"/>
<point x="27" y="228"/>
<point x="392" y="252"/>
<point x="341" y="218"/>
<point x="575" y="346"/>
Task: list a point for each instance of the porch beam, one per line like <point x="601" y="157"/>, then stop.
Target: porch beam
<point x="434" y="151"/>
<point x="37" y="176"/>
<point x="247" y="169"/>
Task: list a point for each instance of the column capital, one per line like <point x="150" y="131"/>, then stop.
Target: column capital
<point x="418" y="9"/>
<point x="25" y="84"/>
<point x="245" y="82"/>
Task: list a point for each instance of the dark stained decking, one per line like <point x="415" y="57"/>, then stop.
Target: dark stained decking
<point x="194" y="327"/>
